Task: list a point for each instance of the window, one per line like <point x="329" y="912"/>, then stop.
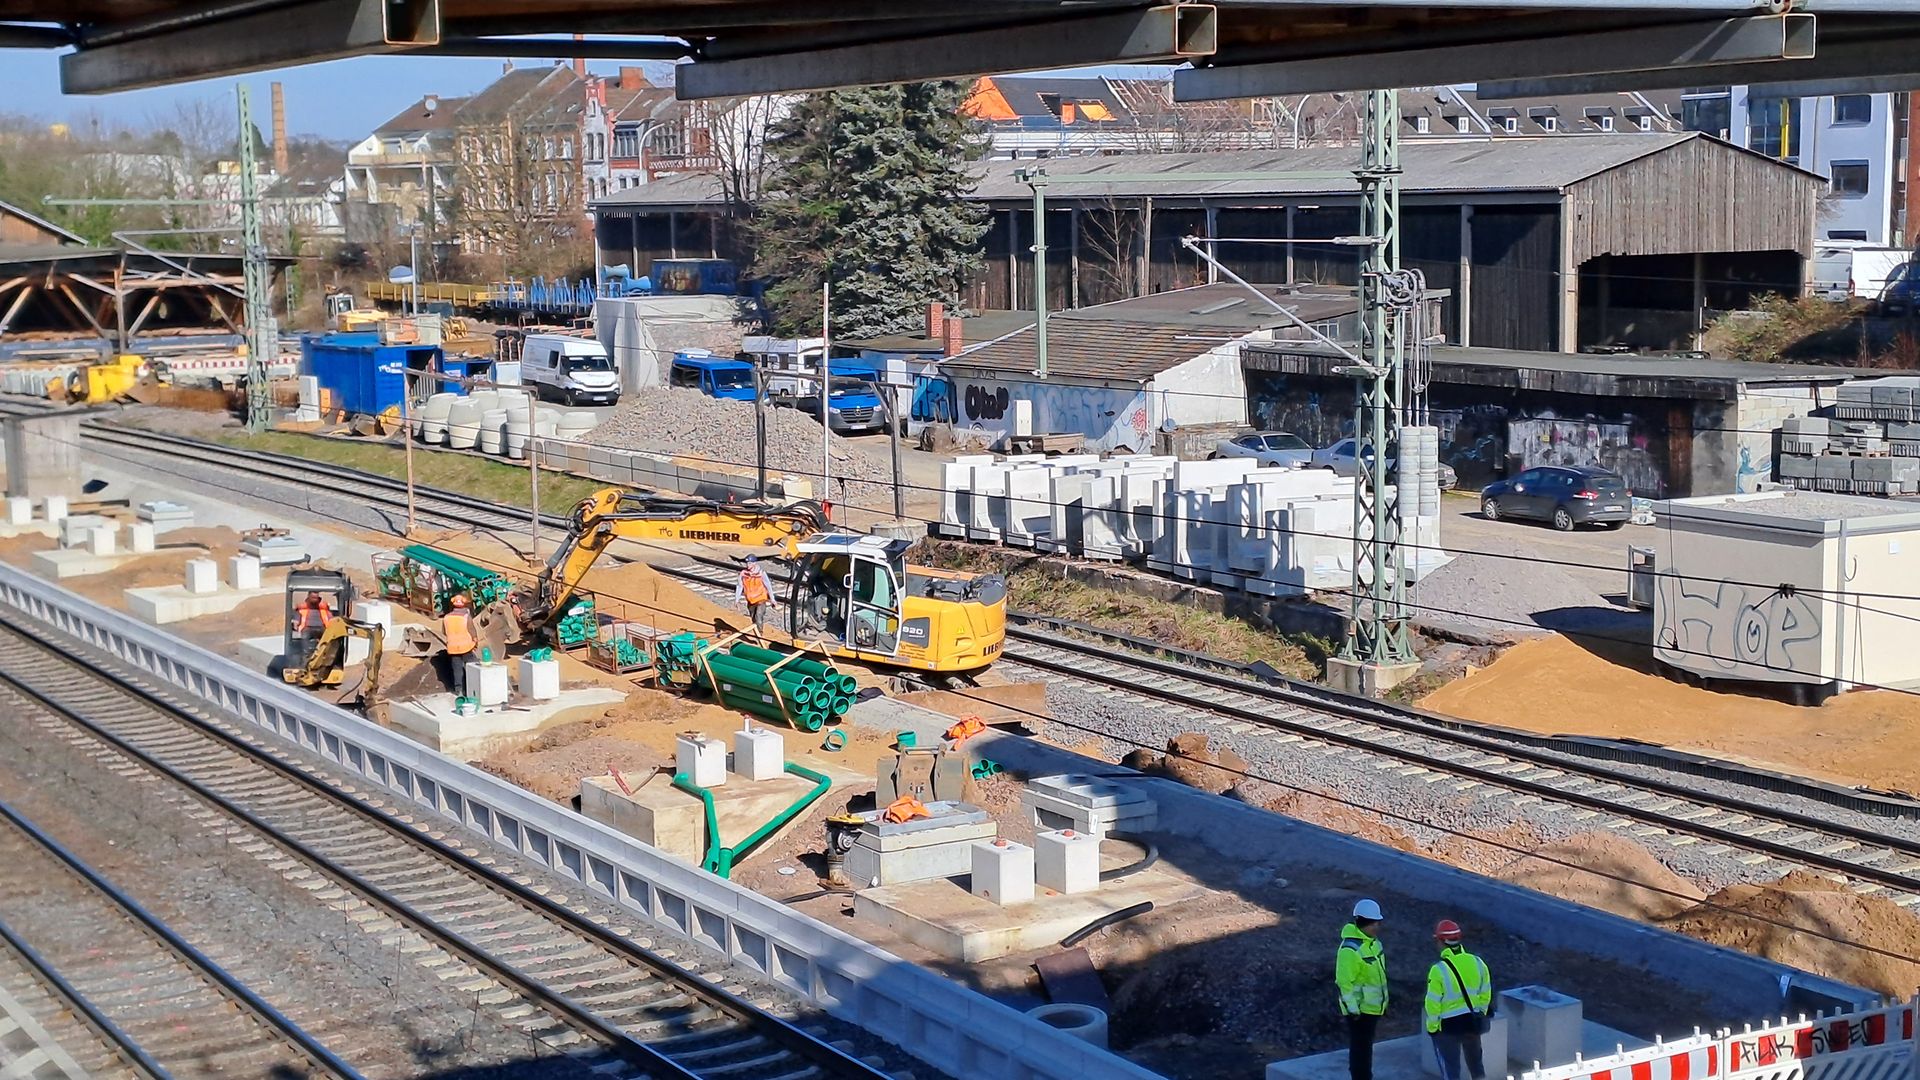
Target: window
<point x="566" y="149"/>
<point x="1853" y="109"/>
<point x="1606" y="122"/>
<point x="1549" y="123"/>
<point x="1850" y="178"/>
<point x="1846" y="234"/>
<point x="1511" y="124"/>
<point x="1773" y="127"/>
<point x="1644" y="122"/>
<point x="1461" y="124"/>
<point x="1711" y="114"/>
<point x="1422" y="124"/>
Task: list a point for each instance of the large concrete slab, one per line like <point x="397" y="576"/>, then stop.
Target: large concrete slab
<point x="947" y="919"/>
<point x="78" y="562"/>
<point x="1411" y="1057"/>
<point x="431" y="720"/>
<point x="32" y="528"/>
<point x="163" y="604"/>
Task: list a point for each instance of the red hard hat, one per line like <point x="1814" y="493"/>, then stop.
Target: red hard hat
<point x="1446" y="930"/>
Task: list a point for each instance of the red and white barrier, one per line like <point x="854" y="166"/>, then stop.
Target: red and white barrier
<point x="1868" y="1044"/>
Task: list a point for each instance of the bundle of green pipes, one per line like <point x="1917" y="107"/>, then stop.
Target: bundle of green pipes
<point x="578" y="625"/>
<point x="773" y="685"/>
<point x="481" y="585"/>
<point x="675" y="659"/>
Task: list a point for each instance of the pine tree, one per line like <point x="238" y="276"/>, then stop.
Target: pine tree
<point x="869" y="186"/>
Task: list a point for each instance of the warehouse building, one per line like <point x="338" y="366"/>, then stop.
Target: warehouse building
<point x="1547" y="243"/>
<point x="1672" y="426"/>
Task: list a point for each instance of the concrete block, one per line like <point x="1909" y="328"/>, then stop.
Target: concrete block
<point x="487" y="683"/>
<point x="140" y="537"/>
<point x="1796" y="466"/>
<point x="1067" y="861"/>
<point x="163" y="604"/>
<point x="953" y="923"/>
<point x="700" y="759"/>
<point x="759" y="754"/>
<point x="203" y="576"/>
<point x="100" y="540"/>
<point x="924" y="849"/>
<point x="378" y="612"/>
<point x="77" y="529"/>
<point x="1545" y="1024"/>
<point x="55" y="507"/>
<point x="1831" y="467"/>
<point x="1087" y="804"/>
<point x="19" y="510"/>
<point x="165" y="515"/>
<point x="539" y="679"/>
<point x="431" y="721"/>
<point x="1003" y="872"/>
<point x="243" y="572"/>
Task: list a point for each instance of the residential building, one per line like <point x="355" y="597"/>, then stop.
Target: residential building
<point x="1456" y="112"/>
<point x="1859" y="142"/>
<point x="517" y="151"/>
<point x="402" y="175"/>
<point x="619" y="114"/>
<point x="1046" y="116"/>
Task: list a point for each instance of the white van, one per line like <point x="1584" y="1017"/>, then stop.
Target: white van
<point x="575" y="370"/>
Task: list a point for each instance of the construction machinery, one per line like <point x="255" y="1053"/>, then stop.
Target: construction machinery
<point x="854" y="594"/>
<point x="332" y="665"/>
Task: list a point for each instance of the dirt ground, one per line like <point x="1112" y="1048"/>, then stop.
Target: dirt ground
<point x="1558" y="687"/>
<point x="1875" y="937"/>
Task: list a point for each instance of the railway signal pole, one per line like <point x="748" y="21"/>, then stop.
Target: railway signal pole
<point x="263" y="335"/>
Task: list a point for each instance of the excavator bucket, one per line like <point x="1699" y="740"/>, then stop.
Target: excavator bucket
<point x="361" y="690"/>
<point x="421" y="642"/>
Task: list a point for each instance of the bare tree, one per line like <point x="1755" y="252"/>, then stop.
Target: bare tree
<point x="739" y="131"/>
<point x="1110" y="243"/>
<point x="518" y="194"/>
<point x="1155" y="123"/>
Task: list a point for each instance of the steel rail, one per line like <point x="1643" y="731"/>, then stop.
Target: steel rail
<point x="830" y="1060"/>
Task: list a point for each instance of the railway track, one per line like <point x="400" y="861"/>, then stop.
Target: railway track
<point x="93" y="949"/>
<point x="1471" y="758"/>
<point x="1419" y="747"/>
<point x="594" y="996"/>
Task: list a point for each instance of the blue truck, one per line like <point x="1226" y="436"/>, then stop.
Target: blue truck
<point x="714" y="376"/>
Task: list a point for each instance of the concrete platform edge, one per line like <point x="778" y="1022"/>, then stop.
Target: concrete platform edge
<point x="961" y="1032"/>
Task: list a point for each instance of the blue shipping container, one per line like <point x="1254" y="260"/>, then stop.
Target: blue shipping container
<point x="364" y="377"/>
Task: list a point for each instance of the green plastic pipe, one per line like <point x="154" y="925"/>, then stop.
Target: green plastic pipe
<point x="719" y="858"/>
<point x="769" y="657"/>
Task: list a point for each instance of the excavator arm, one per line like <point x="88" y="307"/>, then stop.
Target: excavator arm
<point x="619" y="514"/>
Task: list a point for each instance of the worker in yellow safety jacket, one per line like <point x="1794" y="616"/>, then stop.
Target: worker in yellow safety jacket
<point x="755" y="592"/>
<point x="1360" y="971"/>
<point x="1459" y="1005"/>
<point x="310" y="621"/>
<point x="457" y="627"/>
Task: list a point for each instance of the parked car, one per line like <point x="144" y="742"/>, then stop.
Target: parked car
<point x="853" y="408"/>
<point x="1340" y="458"/>
<point x="1565" y="495"/>
<point x="1281" y="449"/>
<point x="712" y="375"/>
<point x="572" y="369"/>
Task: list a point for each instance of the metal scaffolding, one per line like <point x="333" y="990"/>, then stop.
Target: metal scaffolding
<point x="263" y="337"/>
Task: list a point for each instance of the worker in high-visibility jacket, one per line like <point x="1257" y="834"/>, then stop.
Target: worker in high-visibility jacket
<point x="457" y="627"/>
<point x="1360" y="971"/>
<point x="310" y="621"/>
<point x="1459" y="1005"/>
<point x="755" y="591"/>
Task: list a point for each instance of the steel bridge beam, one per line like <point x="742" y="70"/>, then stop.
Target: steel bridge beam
<point x="256" y="39"/>
<point x="1849" y="65"/>
<point x="1687" y="46"/>
<point x="1168" y="33"/>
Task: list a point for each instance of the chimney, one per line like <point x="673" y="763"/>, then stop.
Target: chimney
<point x="955" y="338"/>
<point x="936" y="320"/>
<point x="633" y="78"/>
<point x="281" y="162"/>
<point x="579" y="63"/>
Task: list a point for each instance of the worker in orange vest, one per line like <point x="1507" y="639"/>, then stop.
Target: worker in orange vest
<point x="457" y="627"/>
<point x="310" y="621"/>
<point x="755" y="591"/>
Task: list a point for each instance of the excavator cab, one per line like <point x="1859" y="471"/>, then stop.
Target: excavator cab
<point x="859" y="595"/>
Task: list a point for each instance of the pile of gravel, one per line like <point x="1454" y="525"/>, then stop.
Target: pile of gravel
<point x="1503" y="595"/>
<point x="674" y="419"/>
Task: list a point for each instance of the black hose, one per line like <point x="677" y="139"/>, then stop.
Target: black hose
<point x="1105" y="921"/>
<point x="1152" y="856"/>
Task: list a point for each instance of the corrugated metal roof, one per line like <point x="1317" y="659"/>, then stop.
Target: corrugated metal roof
<point x="1224" y="306"/>
<point x="1548" y="164"/>
<point x="1098" y="349"/>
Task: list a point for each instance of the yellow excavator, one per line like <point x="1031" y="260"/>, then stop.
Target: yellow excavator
<point x="855" y="593"/>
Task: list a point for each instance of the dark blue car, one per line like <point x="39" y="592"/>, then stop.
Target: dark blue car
<point x="1566" y="495"/>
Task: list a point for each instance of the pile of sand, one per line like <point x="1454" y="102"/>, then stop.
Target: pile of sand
<point x="1341" y="818"/>
<point x="1595" y="869"/>
<point x="1808" y="922"/>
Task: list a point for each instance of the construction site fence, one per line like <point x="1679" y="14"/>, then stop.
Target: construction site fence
<point x="954" y="1029"/>
<point x="1875" y="1043"/>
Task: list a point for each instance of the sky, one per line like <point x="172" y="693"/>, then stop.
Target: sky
<point x="342" y="100"/>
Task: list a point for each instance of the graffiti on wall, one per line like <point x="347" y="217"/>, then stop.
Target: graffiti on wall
<point x="1110" y="419"/>
<point x="1726" y="626"/>
<point x="1547" y="439"/>
<point x="932" y="400"/>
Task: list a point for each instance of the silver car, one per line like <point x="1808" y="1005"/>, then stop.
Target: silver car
<point x="1340" y="458"/>
<point x="1273" y="449"/>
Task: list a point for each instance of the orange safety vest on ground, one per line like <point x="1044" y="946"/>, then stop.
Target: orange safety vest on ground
<point x="301" y="623"/>
<point x="458" y="628"/>
<point x="753" y="586"/>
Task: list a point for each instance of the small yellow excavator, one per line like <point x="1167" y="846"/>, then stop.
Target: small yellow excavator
<point x="854" y="592"/>
<point x="352" y="686"/>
